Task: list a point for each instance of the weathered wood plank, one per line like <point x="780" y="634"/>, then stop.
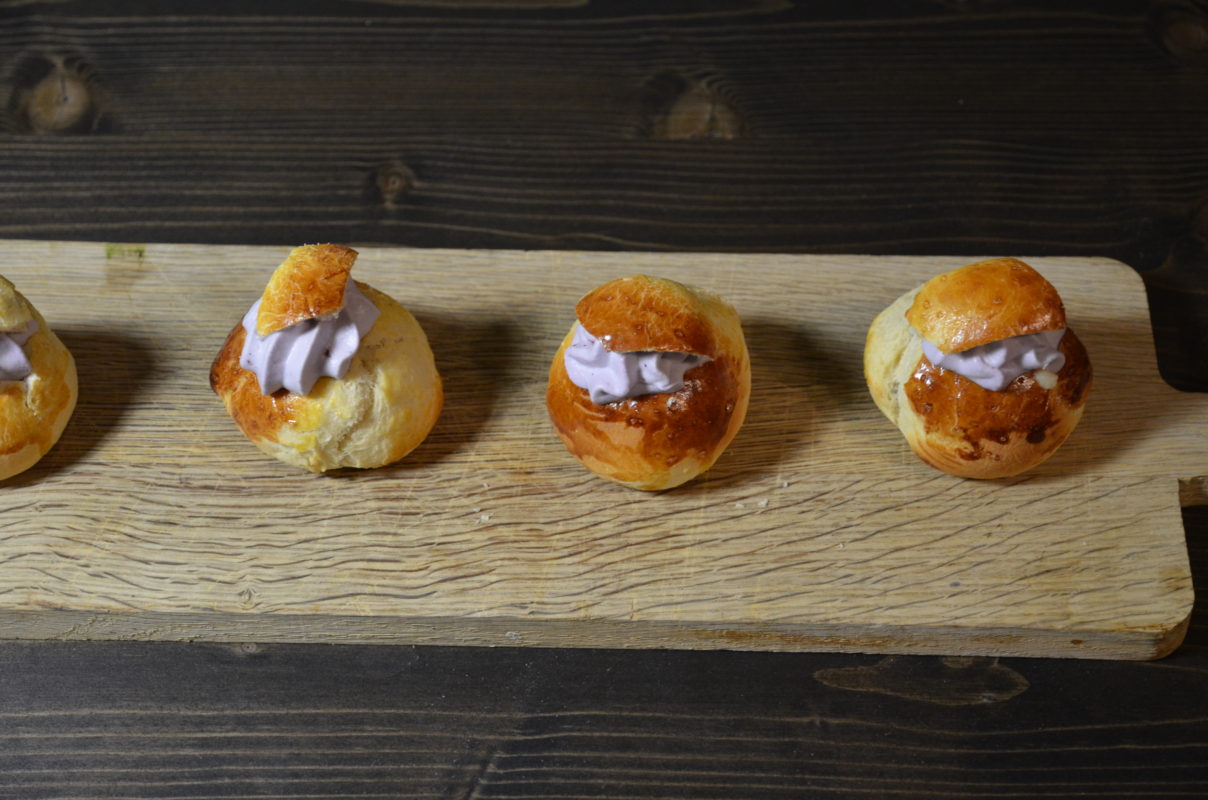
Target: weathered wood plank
<point x="818" y="530"/>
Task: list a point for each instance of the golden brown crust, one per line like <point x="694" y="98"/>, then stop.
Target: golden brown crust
<point x="639" y="312"/>
<point x="973" y="432"/>
<point x="308" y="284"/>
<point x="381" y="410"/>
<point x="985" y="302"/>
<point x="15" y="310"/>
<point x="34" y="411"/>
<point x="656" y="441"/>
<point x="258" y="415"/>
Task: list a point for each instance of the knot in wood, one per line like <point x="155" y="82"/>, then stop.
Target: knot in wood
<point x="683" y="109"/>
<point x="1187" y="36"/>
<point x="391" y="182"/>
<point x="54" y="94"/>
<point x="1182" y="30"/>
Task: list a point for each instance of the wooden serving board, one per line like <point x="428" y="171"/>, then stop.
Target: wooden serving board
<point x="818" y="530"/>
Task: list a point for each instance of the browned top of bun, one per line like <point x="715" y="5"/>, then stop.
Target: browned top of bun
<point x="308" y="284"/>
<point x="639" y="312"/>
<point x="985" y="302"/>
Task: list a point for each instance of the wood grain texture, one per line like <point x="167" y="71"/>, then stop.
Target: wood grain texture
<point x="746" y="125"/>
<point x="166" y="720"/>
<point x="818" y="530"/>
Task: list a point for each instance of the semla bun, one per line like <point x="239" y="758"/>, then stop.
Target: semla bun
<point x="659" y="440"/>
<point x="377" y="413"/>
<point x="951" y="422"/>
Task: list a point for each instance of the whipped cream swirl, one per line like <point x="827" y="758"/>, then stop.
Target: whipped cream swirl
<point x="14" y="363"/>
<point x="609" y="376"/>
<point x="993" y="366"/>
<point x="294" y="358"/>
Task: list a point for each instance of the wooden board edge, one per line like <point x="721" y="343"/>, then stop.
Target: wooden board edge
<point x="1133" y="644"/>
<point x="1152" y="642"/>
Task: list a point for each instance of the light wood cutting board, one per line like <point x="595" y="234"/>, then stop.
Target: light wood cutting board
<point x="818" y="530"/>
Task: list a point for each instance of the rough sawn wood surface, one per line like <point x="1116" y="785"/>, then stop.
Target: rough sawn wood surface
<point x="818" y="530"/>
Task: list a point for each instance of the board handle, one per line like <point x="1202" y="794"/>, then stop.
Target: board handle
<point x="1193" y="491"/>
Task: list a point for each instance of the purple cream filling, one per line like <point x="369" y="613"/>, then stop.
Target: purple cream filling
<point x="294" y="358"/>
<point x="14" y="363"/>
<point x="993" y="366"/>
<point x="609" y="376"/>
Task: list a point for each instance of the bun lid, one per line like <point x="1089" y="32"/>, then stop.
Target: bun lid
<point x="639" y="312"/>
<point x="309" y="283"/>
<point x="985" y="302"/>
<point x="15" y="312"/>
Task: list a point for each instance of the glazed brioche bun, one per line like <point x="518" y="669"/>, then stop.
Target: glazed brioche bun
<point x="655" y="441"/>
<point x="33" y="411"/>
<point x="950" y="422"/>
<point x="383" y="407"/>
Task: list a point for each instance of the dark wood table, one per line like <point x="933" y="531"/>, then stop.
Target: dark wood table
<point x="977" y="127"/>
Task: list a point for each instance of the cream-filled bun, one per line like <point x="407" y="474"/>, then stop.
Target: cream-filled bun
<point x="338" y="374"/>
<point x="668" y="369"/>
<point x="38" y="385"/>
<point x="1014" y="379"/>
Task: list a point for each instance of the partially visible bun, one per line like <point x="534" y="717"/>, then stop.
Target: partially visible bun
<point x="33" y="411"/>
<point x="655" y="441"/>
<point x="381" y="410"/>
<point x="949" y="421"/>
